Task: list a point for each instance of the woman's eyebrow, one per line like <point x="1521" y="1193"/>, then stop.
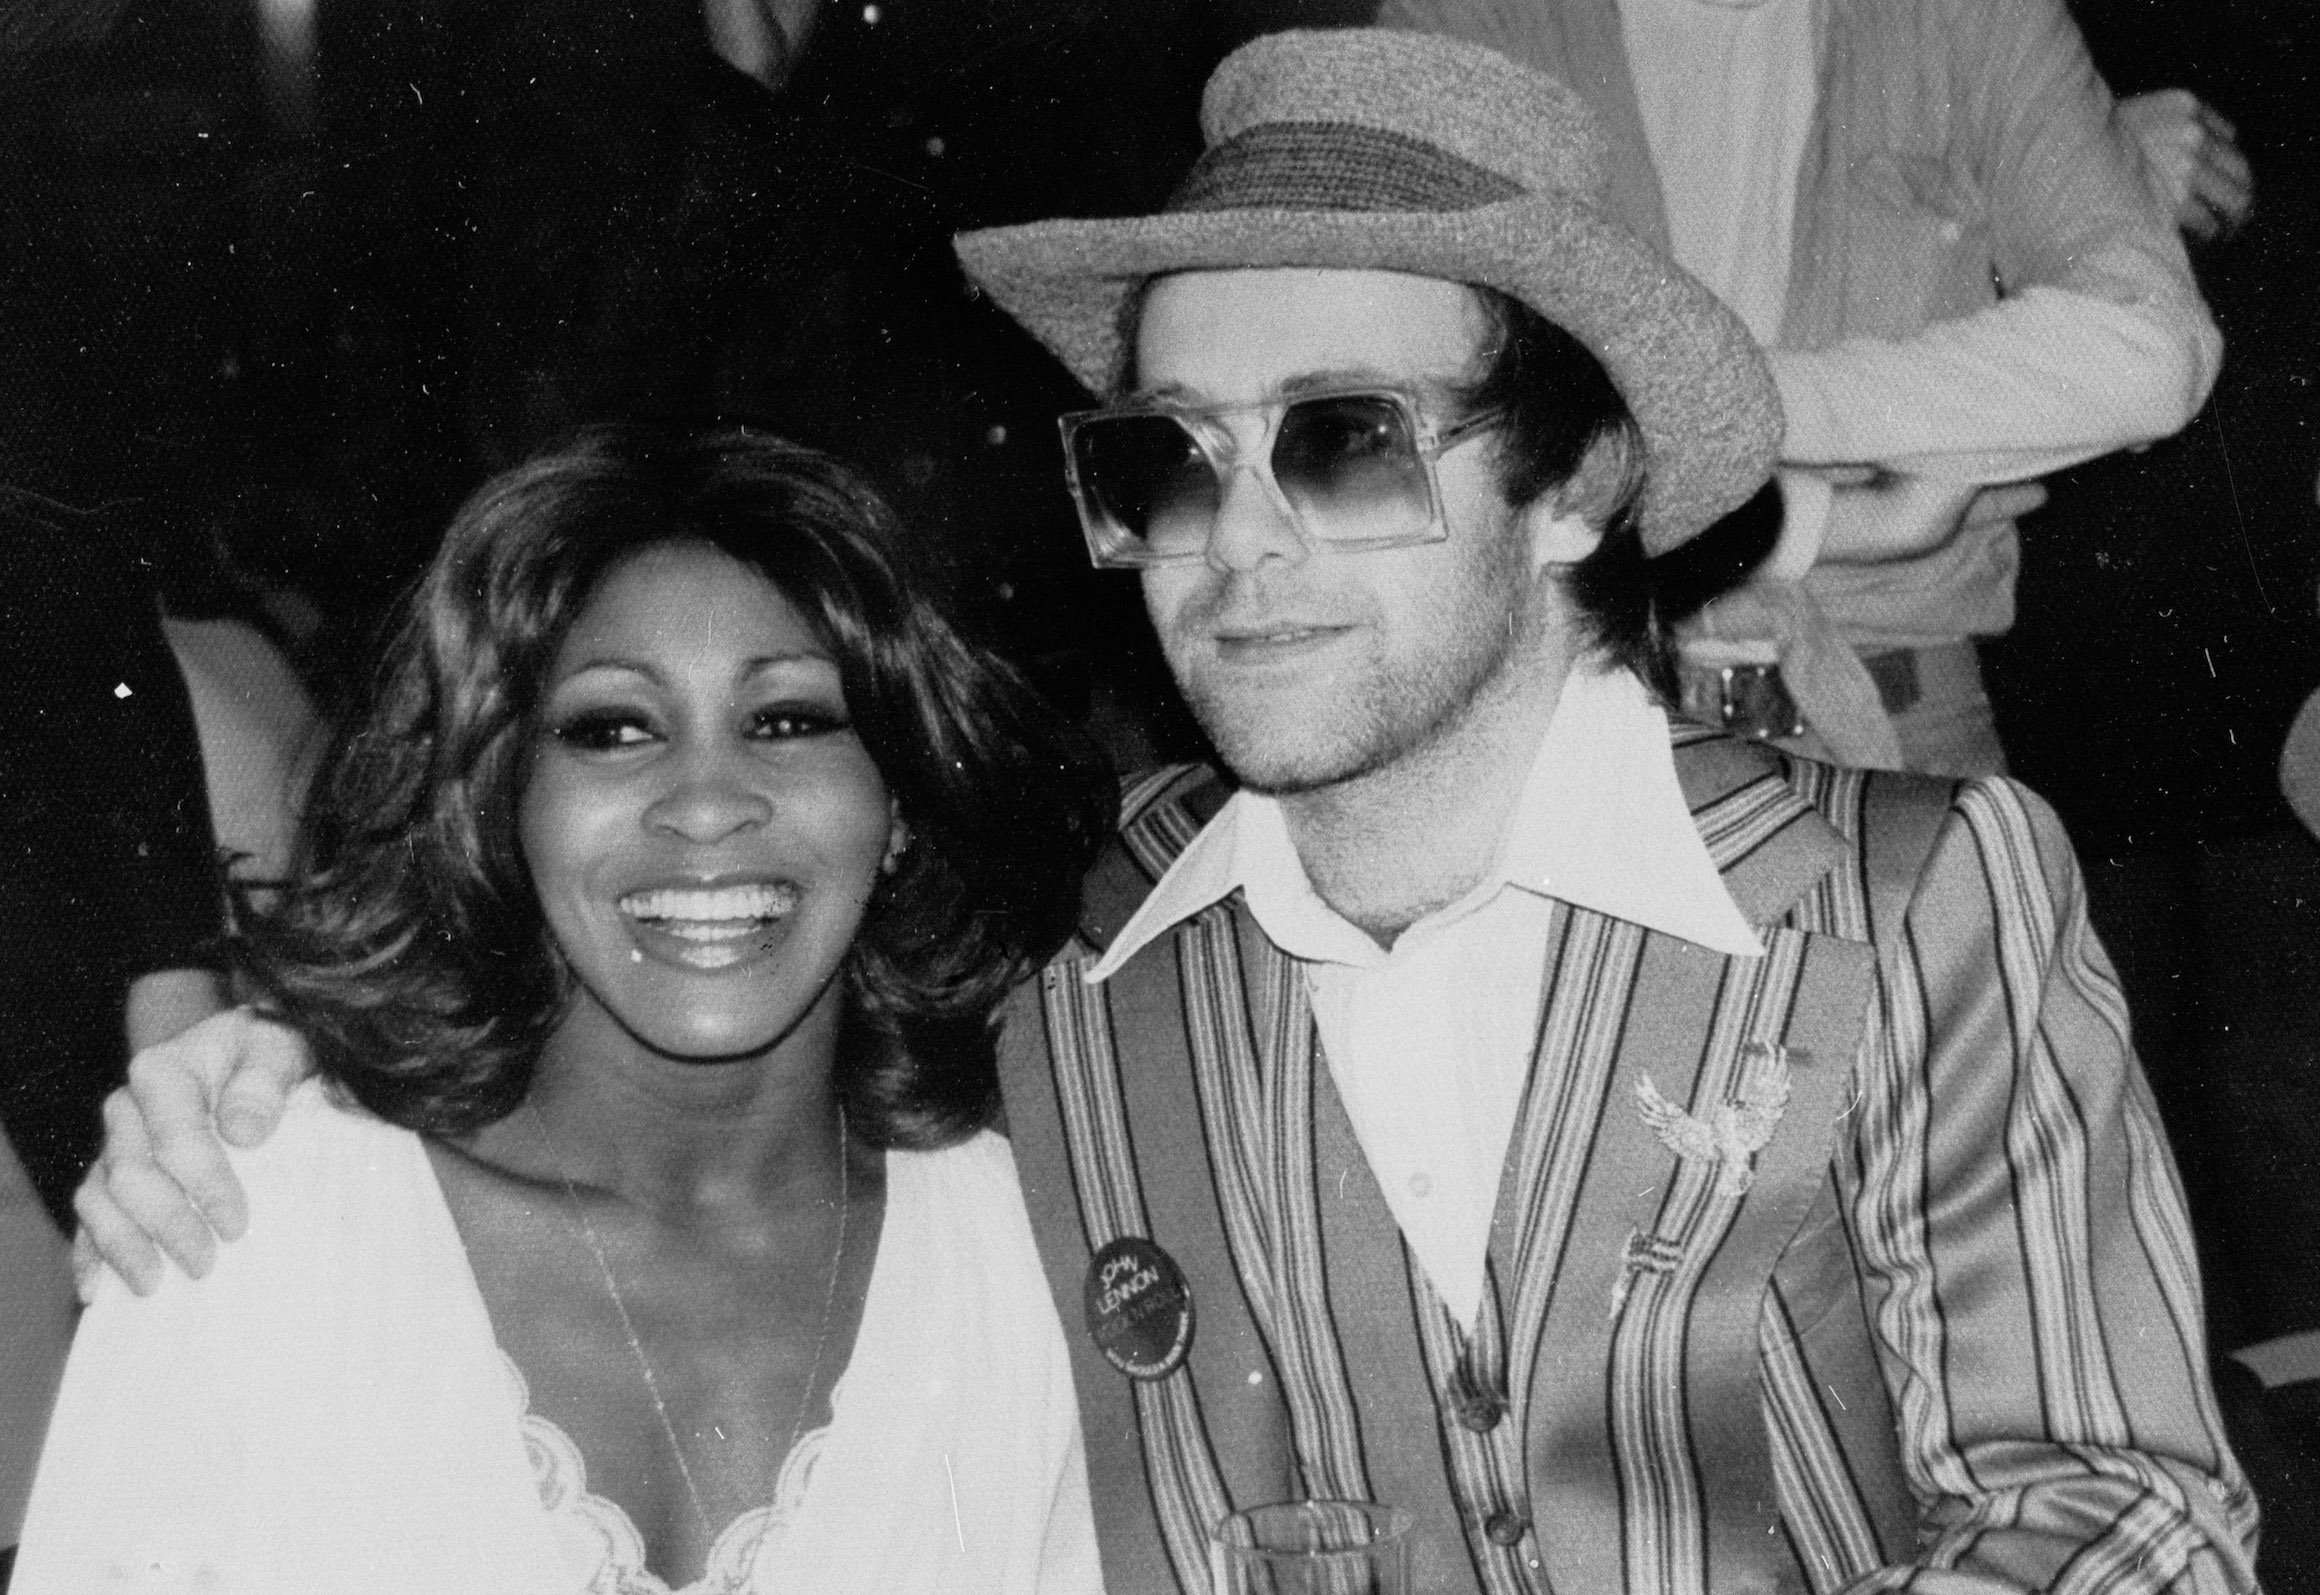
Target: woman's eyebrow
<point x="754" y="665"/>
<point x="615" y="662"/>
<point x="761" y="663"/>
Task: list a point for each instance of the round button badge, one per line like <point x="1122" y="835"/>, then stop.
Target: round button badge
<point x="1139" y="1309"/>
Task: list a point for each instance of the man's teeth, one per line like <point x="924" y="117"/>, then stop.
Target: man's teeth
<point x="705" y="914"/>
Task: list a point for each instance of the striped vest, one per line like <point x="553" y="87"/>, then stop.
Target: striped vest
<point x="1671" y="1386"/>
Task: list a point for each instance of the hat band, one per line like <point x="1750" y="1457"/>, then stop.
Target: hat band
<point x="1336" y="166"/>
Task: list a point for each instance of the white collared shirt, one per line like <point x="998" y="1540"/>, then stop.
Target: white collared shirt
<point x="1429" y="1043"/>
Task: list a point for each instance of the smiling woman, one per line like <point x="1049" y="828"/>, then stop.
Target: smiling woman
<point x="649" y="927"/>
<point x="416" y="828"/>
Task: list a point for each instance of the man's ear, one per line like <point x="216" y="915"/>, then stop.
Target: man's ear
<point x="1566" y="525"/>
<point x="1559" y="535"/>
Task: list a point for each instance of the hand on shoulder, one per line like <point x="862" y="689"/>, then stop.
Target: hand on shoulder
<point x="162" y="1186"/>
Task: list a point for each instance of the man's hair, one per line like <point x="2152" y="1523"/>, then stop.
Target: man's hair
<point x="411" y="949"/>
<point x="1559" y="406"/>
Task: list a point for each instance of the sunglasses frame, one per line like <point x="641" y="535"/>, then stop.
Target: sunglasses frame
<point x="1111" y="547"/>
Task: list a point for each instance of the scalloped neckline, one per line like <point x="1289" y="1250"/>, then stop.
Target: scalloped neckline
<point x="560" y="1472"/>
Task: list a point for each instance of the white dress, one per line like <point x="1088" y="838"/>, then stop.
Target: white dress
<point x="328" y="1410"/>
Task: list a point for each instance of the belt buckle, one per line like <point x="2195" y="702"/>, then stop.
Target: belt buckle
<point x="1753" y="701"/>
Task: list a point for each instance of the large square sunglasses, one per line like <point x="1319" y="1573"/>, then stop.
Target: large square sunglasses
<point x="1353" y="468"/>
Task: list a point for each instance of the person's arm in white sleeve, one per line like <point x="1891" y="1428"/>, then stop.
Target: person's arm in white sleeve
<point x="2101" y="342"/>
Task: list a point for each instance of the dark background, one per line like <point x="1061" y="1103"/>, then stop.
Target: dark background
<point x="308" y="326"/>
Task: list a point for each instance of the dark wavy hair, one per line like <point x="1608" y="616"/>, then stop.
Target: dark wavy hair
<point x="411" y="949"/>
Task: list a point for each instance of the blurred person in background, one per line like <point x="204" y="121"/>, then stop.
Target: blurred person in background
<point x="1929" y="220"/>
<point x="237" y="635"/>
<point x="110" y="909"/>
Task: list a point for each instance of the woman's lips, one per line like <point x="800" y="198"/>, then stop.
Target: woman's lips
<point x="707" y="927"/>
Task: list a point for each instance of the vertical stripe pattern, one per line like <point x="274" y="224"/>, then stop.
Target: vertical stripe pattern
<point x="1462" y="1369"/>
<point x="1973" y="1333"/>
<point x="1187" y="1489"/>
<point x="1583" y="1013"/>
<point x="2024" y="1248"/>
<point x="1259" y="1122"/>
<point x="1821" y="1504"/>
<point x="1666" y="1515"/>
<point x="2045" y="1133"/>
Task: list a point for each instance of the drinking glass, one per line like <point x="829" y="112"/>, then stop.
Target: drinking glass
<point x="1312" y="1548"/>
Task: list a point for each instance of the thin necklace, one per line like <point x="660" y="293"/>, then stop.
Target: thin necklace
<point x="652" y="1387"/>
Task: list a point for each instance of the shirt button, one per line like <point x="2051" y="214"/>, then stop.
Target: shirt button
<point x="1505" y="1529"/>
<point x="1420" y="1185"/>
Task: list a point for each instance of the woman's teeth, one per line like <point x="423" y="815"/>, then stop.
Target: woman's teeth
<point x="710" y="913"/>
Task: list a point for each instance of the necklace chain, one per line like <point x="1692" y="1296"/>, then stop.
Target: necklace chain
<point x="652" y="1388"/>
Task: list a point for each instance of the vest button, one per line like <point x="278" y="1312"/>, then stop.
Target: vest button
<point x="1505" y="1529"/>
<point x="1481" y="1410"/>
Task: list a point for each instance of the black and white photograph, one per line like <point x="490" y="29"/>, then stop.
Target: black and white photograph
<point x="1159" y="797"/>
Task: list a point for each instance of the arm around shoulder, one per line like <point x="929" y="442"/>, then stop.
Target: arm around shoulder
<point x="163" y="1182"/>
<point x="2025" y="1252"/>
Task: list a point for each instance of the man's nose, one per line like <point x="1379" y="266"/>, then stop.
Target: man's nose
<point x="1253" y="521"/>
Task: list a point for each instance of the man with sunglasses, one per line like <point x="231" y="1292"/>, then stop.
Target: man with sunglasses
<point x="1652" y="1162"/>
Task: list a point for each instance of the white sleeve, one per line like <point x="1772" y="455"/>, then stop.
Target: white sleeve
<point x="2101" y="340"/>
<point x="1069" y="1563"/>
<point x="326" y="1410"/>
<point x="145" y="1466"/>
<point x="2040" y="381"/>
<point x="1068" y="1560"/>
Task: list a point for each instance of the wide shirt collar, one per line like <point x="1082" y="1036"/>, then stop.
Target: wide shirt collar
<point x="1601" y="824"/>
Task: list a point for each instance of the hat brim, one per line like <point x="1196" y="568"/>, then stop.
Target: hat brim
<point x="1693" y="378"/>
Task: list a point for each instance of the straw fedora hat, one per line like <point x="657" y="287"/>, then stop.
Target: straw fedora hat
<point x="1374" y="149"/>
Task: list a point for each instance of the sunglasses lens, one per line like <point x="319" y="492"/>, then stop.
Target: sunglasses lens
<point x="1350" y="465"/>
<point x="1145" y="478"/>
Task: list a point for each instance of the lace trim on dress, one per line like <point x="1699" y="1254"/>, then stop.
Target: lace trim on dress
<point x="599" y="1541"/>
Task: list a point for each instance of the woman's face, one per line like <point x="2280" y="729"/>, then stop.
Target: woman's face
<point x="701" y="822"/>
